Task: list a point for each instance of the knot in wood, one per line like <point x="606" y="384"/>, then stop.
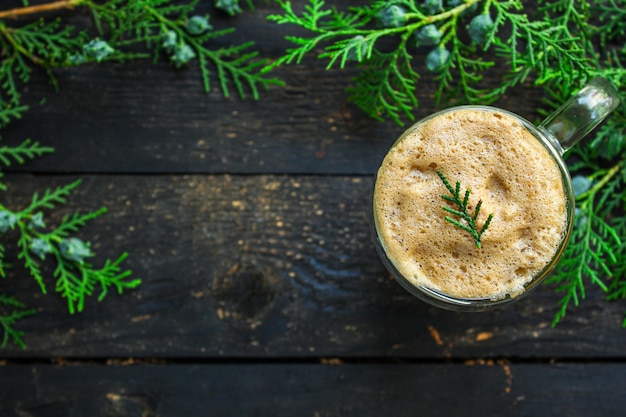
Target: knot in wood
<point x="245" y="293"/>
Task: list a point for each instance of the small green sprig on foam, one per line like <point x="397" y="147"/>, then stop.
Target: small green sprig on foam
<point x="469" y="220"/>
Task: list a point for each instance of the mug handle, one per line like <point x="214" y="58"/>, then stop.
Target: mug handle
<point x="580" y="114"/>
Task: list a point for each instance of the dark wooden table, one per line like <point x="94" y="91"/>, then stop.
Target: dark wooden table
<point x="262" y="292"/>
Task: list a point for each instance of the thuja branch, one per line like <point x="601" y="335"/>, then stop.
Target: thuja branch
<point x="14" y="310"/>
<point x="124" y="30"/>
<point x="603" y="181"/>
<point x="40" y="8"/>
<point x="470" y="220"/>
<point x="127" y="30"/>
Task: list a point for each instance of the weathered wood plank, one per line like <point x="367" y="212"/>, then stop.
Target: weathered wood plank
<point x="312" y="390"/>
<point x="139" y="117"/>
<point x="272" y="266"/>
<point x="102" y="121"/>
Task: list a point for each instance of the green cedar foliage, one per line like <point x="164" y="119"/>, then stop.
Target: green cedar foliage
<point x="126" y="30"/>
<point x="459" y="41"/>
<point x="122" y="30"/>
<point x="167" y="28"/>
<point x="75" y="278"/>
<point x="17" y="312"/>
<point x="556" y="46"/>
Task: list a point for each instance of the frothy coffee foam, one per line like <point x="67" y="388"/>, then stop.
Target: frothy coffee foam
<point x="493" y="155"/>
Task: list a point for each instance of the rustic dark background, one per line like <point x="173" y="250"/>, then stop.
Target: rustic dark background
<point x="262" y="293"/>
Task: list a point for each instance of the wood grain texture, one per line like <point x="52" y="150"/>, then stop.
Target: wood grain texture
<point x="143" y="118"/>
<point x="248" y="223"/>
<point x="272" y="267"/>
<point x="311" y="390"/>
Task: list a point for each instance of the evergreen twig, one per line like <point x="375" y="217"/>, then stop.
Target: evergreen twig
<point x="8" y="320"/>
<point x="555" y="47"/>
<point x="469" y="224"/>
<point x="126" y="30"/>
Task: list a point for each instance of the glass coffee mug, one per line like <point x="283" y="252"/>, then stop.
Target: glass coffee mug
<point x="514" y="171"/>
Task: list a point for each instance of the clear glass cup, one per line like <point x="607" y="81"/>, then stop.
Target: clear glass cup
<point x="558" y="133"/>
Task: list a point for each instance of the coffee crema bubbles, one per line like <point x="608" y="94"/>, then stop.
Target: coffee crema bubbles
<point x="507" y="168"/>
